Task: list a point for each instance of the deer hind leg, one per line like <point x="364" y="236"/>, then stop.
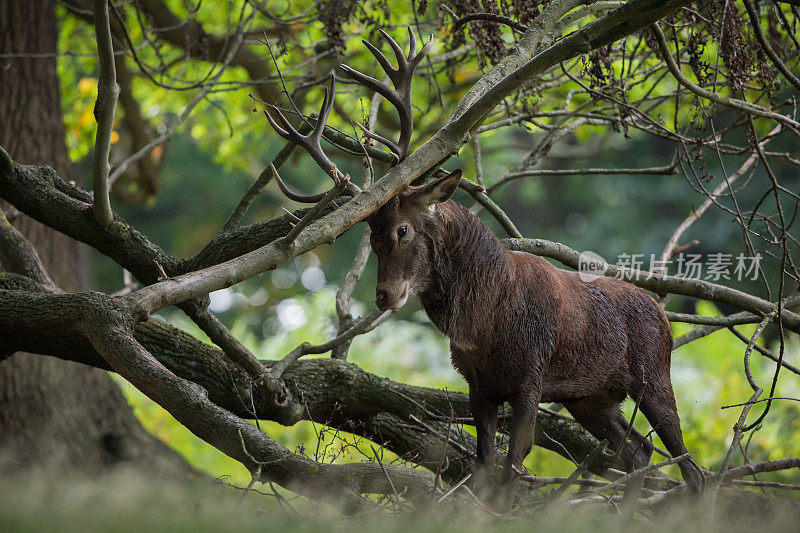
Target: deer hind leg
<point x="601" y="416"/>
<point x="658" y="405"/>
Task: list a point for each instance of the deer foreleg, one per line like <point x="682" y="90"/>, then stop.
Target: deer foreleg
<point x="485" y="414"/>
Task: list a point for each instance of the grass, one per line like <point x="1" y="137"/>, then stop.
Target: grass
<point x="127" y="501"/>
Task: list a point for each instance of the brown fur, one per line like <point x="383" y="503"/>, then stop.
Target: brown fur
<point x="524" y="331"/>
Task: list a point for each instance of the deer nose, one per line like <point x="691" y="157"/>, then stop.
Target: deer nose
<point x="380" y="300"/>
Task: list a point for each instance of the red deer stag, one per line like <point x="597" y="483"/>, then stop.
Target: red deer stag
<point x="520" y="329"/>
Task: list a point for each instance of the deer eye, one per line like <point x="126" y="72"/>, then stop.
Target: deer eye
<point x="402" y="230"/>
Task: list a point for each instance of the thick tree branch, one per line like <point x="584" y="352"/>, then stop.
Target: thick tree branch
<point x="109" y="329"/>
<point x="18" y="255"/>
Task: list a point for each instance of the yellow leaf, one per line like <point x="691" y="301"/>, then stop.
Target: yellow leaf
<point x="86" y="118"/>
<point x="87" y="85"/>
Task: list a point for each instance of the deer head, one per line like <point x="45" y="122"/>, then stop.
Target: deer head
<point x="403" y="236"/>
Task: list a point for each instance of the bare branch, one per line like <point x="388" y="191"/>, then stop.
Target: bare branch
<point x="104" y="110"/>
<point x="739" y="105"/>
<point x="672" y="244"/>
<point x="479" y="194"/>
<point x="364" y="325"/>
<point x="737" y="436"/>
<point x="755" y="20"/>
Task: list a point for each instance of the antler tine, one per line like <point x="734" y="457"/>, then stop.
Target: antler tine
<point x="280" y="131"/>
<point x="285" y="130"/>
<point x="325" y="111"/>
<point x="422" y="53"/>
<point x="371" y="83"/>
<point x="398" y="52"/>
<point x="385" y="64"/>
<point x="383" y="140"/>
<point x="310" y="199"/>
<point x="412" y="44"/>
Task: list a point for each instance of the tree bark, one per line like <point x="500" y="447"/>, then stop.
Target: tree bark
<point x="48" y="420"/>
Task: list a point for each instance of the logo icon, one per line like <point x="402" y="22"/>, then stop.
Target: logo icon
<point x="591" y="266"/>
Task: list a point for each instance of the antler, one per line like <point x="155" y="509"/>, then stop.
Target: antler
<point x="311" y="144"/>
<point x="401" y="78"/>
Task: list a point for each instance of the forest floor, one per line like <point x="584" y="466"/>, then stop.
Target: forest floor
<point x="126" y="502"/>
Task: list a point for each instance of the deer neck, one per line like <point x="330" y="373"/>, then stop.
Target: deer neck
<point x="472" y="275"/>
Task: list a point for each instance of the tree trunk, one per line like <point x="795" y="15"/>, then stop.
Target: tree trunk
<point x="48" y="419"/>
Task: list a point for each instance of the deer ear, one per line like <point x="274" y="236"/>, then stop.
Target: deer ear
<point x="437" y="191"/>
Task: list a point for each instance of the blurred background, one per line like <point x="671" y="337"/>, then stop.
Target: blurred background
<point x="215" y="155"/>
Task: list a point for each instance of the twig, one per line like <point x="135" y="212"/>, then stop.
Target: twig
<point x="740" y="105"/>
<point x="585" y="464"/>
<point x="766" y="353"/>
<point x="765" y="466"/>
<point x="645" y="171"/>
<point x="761" y="400"/>
<point x="441" y="437"/>
<point x="363" y="325"/>
<point x="476" y="152"/>
<point x="671" y="248"/>
<point x="737" y="436"/>
<point x="479" y="194"/>
<point x="713" y="324"/>
<point x="749" y="350"/>
<point x="765" y="484"/>
<point x="490" y="17"/>
<point x="721" y="320"/>
<point x="438" y="478"/>
<point x="385" y="473"/>
<point x="637" y="473"/>
<point x="454" y="488"/>
<point x="346" y="290"/>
